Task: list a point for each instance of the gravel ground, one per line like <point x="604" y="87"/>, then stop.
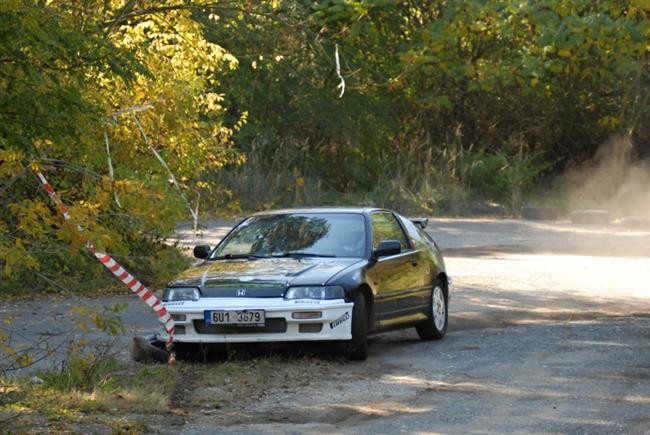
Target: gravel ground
<point x="549" y="331"/>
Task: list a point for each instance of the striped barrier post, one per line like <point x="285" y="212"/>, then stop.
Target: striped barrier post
<point x="120" y="273"/>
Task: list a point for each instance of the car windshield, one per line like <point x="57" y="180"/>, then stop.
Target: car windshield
<point x="296" y="235"/>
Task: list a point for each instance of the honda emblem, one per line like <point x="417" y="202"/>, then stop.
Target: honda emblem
<point x="241" y="292"/>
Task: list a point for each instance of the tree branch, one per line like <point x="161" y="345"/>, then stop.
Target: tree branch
<point x="12" y="180"/>
<point x="125" y="16"/>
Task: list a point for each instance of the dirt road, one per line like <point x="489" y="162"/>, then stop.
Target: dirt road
<point x="549" y="333"/>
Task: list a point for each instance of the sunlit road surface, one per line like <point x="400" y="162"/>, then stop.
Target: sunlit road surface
<point x="549" y="333"/>
<point x="523" y="271"/>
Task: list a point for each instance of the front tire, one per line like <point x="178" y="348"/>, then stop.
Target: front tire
<point x="187" y="351"/>
<point x="435" y="327"/>
<point x="357" y="348"/>
<point x="198" y="352"/>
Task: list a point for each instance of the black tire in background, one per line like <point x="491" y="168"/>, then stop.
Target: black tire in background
<point x="357" y="348"/>
<point x="144" y="350"/>
<point x="540" y="213"/>
<point x="590" y="217"/>
<point x="435" y="327"/>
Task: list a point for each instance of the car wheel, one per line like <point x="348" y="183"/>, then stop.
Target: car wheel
<point x="187" y="351"/>
<point x="357" y="348"/>
<point x="197" y="352"/>
<point x="435" y="327"/>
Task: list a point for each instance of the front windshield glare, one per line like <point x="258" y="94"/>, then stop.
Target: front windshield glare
<point x="308" y="234"/>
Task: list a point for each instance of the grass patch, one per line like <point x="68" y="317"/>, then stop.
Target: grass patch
<point x="63" y="401"/>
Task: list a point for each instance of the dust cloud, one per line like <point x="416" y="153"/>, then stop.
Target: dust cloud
<point x="613" y="180"/>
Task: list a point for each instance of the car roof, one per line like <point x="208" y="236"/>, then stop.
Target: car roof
<point x="358" y="210"/>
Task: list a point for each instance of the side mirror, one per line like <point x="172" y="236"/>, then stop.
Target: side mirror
<point x="202" y="251"/>
<point x="386" y="248"/>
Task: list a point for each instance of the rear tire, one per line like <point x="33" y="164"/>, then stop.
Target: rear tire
<point x="357" y="348"/>
<point x="435" y="327"/>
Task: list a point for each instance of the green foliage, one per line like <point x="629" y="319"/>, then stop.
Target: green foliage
<point x="240" y="99"/>
<point x="75" y="76"/>
<point x="83" y="371"/>
<point x="427" y="79"/>
<point x="504" y="174"/>
<point x="105" y="318"/>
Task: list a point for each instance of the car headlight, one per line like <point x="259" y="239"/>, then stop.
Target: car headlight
<point x="316" y="292"/>
<point x="181" y="294"/>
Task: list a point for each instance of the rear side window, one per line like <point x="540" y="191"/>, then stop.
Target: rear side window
<point x="415" y="234"/>
<point x="386" y="227"/>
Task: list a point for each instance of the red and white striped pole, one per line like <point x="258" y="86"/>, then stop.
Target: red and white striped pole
<point x="129" y="280"/>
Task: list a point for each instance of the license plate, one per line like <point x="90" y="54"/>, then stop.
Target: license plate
<point x="235" y="317"/>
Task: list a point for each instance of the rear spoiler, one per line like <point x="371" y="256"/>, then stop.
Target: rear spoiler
<point x="420" y="222"/>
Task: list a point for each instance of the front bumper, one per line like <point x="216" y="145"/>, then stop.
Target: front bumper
<point x="335" y="322"/>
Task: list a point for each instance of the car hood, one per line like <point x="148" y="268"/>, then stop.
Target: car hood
<point x="267" y="277"/>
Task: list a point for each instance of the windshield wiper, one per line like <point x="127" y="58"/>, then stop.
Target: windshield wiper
<point x="301" y="254"/>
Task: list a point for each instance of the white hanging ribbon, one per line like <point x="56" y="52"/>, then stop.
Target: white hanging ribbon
<point x="110" y="169"/>
<point x="341" y="85"/>
<point x="135" y="108"/>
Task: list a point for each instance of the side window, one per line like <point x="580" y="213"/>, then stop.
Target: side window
<point x="385" y="227"/>
<point x="414" y="233"/>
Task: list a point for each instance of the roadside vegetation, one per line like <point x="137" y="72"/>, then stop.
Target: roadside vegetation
<point x="97" y="393"/>
<point x="144" y="113"/>
<point x="445" y="102"/>
<point x="113" y="396"/>
<point x="84" y="386"/>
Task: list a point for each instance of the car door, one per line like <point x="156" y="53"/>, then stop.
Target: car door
<point x="394" y="277"/>
<point x="427" y="269"/>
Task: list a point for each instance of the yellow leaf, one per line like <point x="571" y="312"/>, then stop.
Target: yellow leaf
<point x="641" y="4"/>
<point x="564" y="53"/>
